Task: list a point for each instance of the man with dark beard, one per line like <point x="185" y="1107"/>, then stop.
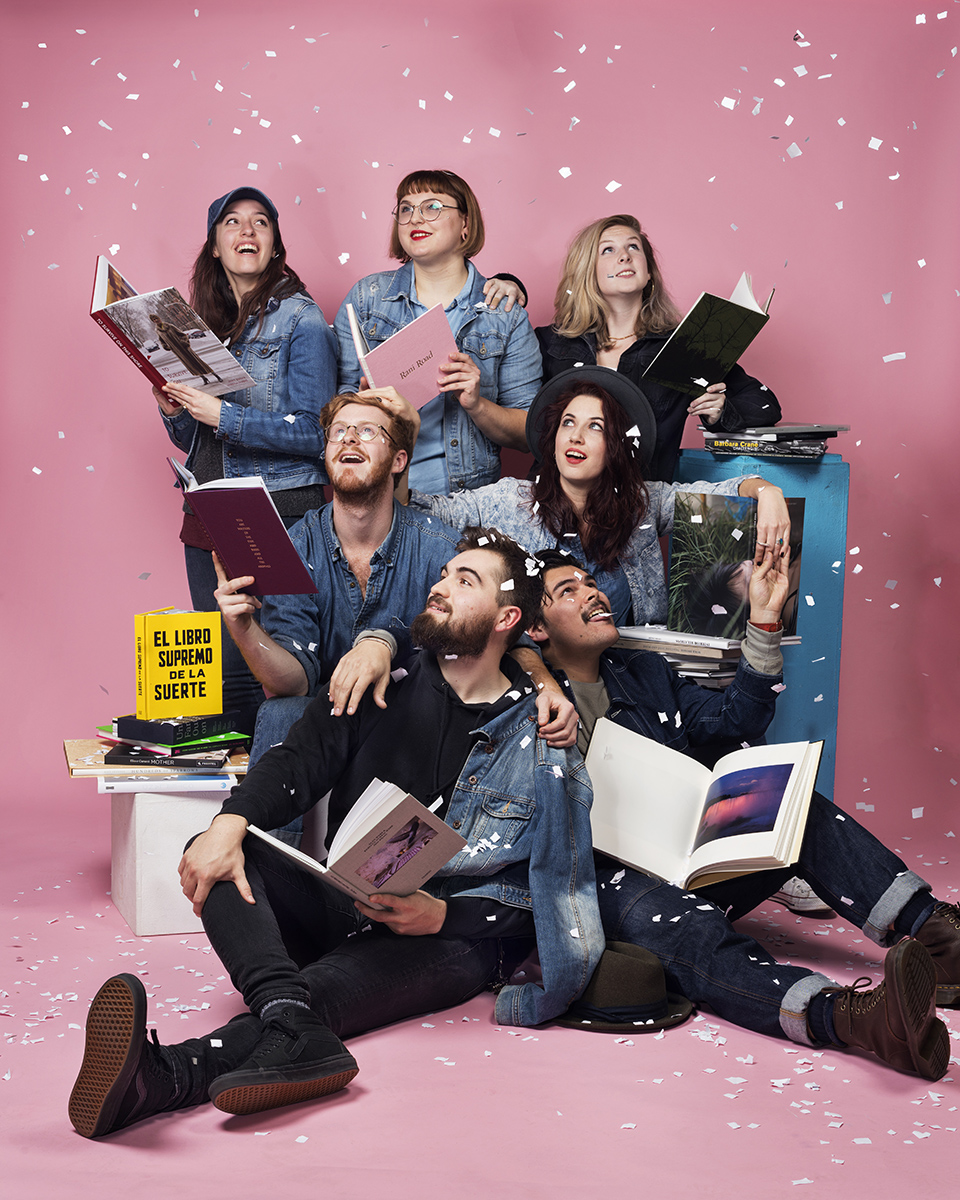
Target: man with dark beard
<point x="369" y="557"/>
<point x="313" y="966"/>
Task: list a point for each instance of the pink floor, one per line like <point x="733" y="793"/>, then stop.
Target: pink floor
<point x="450" y="1105"/>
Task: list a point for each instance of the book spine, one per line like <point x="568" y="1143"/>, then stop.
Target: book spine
<point x="139" y="625"/>
<point x="173" y="733"/>
<point x="139" y="360"/>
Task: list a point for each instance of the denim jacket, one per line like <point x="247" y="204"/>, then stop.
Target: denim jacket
<point x="502" y="344"/>
<point x="506" y="506"/>
<point x="319" y="629"/>
<point x="522" y="807"/>
<point x="273" y="429"/>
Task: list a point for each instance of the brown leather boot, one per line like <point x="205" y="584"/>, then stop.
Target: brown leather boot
<point x="897" y="1021"/>
<point x="940" y="933"/>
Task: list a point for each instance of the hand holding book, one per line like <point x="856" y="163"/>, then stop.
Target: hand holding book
<point x="416" y="915"/>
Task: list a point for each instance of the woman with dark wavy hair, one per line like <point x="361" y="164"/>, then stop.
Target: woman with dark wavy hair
<point x="250" y="298"/>
<point x="613" y="309"/>
<point x="593" y="432"/>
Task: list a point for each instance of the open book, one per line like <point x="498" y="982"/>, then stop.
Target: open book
<point x="709" y="340"/>
<point x="410" y="359"/>
<point x="242" y="521"/>
<point x="664" y="813"/>
<point x="388" y="842"/>
<point x="161" y="334"/>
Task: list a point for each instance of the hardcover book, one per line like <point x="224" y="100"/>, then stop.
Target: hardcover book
<point x="161" y="335"/>
<point x="242" y="521"/>
<point x="709" y="340"/>
<point x="173" y="730"/>
<point x="664" y="813"/>
<point x="178" y="663"/>
<point x="410" y="359"/>
<point x="711" y="560"/>
<point x="388" y="842"/>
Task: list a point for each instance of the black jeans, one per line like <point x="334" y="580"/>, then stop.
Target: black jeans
<point x="304" y="940"/>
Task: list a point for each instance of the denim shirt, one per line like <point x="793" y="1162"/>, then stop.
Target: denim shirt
<point x="506" y="506"/>
<point x="522" y="807"/>
<point x="273" y="429"/>
<point x="319" y="629"/>
<point x="502" y="344"/>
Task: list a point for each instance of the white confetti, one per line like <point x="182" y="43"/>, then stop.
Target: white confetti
<point x="916" y="813"/>
<point x="613" y="185"/>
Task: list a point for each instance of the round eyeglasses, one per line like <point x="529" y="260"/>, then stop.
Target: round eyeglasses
<point x="429" y="210"/>
<point x="366" y="433"/>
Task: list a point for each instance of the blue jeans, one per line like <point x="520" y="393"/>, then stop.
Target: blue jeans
<point x="304" y="940"/>
<point x="708" y="961"/>
<point x="274" y="720"/>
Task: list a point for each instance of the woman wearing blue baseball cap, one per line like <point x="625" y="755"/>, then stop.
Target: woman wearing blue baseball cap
<point x="251" y="299"/>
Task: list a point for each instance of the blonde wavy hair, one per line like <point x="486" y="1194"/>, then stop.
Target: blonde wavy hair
<point x="579" y="306"/>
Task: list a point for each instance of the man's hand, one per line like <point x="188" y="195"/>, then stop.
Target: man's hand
<point x="769" y="587"/>
<point x="213" y="856"/>
<point x="237" y="607"/>
<point x="413" y="916"/>
<point x="557" y="718"/>
<point x="368" y="662"/>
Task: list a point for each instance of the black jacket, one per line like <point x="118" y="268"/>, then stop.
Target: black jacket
<point x="749" y="402"/>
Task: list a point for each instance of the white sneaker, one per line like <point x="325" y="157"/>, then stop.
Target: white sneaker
<point x="798" y="897"/>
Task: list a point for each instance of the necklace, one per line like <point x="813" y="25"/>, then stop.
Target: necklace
<point x="624" y="338"/>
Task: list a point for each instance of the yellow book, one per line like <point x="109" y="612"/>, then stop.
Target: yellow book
<point x="179" y="664"/>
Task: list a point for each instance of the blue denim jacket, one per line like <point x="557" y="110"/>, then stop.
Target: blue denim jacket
<point x="318" y="630"/>
<point x="273" y="430"/>
<point x="502" y="344"/>
<point x="506" y="506"/>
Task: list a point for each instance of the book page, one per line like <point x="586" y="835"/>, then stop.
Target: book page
<point x="743" y="294"/>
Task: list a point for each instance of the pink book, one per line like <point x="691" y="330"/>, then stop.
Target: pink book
<point x="410" y="359"/>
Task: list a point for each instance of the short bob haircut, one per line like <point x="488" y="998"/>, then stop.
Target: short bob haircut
<point x="579" y="307"/>
<point x="399" y="428"/>
<point x="448" y="184"/>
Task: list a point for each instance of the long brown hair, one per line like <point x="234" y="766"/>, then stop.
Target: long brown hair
<point x="449" y="184"/>
<point x="617" y="501"/>
<point x="213" y="298"/>
<point x="579" y="307"/>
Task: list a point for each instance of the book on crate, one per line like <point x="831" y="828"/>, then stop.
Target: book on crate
<point x="92" y="756"/>
<point x="179" y="663"/>
<point x="171" y="731"/>
<point x="232" y="741"/>
<point x="709" y="340"/>
<point x="388" y="842"/>
<point x="250" y="537"/>
<point x="664" y="813"/>
<point x="162" y="335"/>
<point x="409" y="359"/>
<point x="711" y="561"/>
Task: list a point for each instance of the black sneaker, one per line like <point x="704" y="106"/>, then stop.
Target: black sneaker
<point x="123" y="1077"/>
<point x="297" y="1058"/>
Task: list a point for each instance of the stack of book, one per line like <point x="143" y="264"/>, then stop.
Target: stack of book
<point x="774" y="441"/>
<point x="711" y="661"/>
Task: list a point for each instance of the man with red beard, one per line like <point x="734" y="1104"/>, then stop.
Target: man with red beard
<point x="369" y="557"/>
<point x="314" y="966"/>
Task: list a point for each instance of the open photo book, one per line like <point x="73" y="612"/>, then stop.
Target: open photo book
<point x="410" y="359"/>
<point x="162" y="335"/>
<point x="666" y="814"/>
<point x="388" y="842"/>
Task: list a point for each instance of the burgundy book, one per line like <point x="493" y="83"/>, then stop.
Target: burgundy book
<point x="250" y="538"/>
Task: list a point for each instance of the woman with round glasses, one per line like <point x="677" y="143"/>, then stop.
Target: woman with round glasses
<point x="483" y="392"/>
<point x="251" y="299"/>
<point x="593" y="432"/>
<point x="613" y="310"/>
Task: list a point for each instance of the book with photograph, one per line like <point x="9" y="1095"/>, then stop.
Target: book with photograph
<point x="664" y="813"/>
<point x="250" y="537"/>
<point x="710" y="339"/>
<point x="162" y="335"/>
<point x="711" y="561"/>
<point x="388" y="842"/>
<point x="410" y="359"/>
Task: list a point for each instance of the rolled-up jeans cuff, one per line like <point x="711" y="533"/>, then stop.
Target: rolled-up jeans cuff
<point x="889" y="907"/>
<point x="793" y="1007"/>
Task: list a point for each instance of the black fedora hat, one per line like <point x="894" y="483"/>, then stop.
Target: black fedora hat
<point x="641" y="423"/>
<point x="627" y="994"/>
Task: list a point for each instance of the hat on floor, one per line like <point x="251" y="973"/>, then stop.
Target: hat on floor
<point x="627" y="994"/>
<point x="216" y="209"/>
<point x="641" y="423"/>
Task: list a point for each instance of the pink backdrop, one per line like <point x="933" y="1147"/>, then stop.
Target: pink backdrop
<point x="824" y="163"/>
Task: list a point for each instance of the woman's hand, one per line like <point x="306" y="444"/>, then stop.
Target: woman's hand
<point x="709" y="406"/>
<point x="769" y="586"/>
<point x="773" y="516"/>
<point x="168" y="407"/>
<point x="461" y="374"/>
<point x="200" y="406"/>
<point x="397" y="405"/>
<point x="497" y="289"/>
